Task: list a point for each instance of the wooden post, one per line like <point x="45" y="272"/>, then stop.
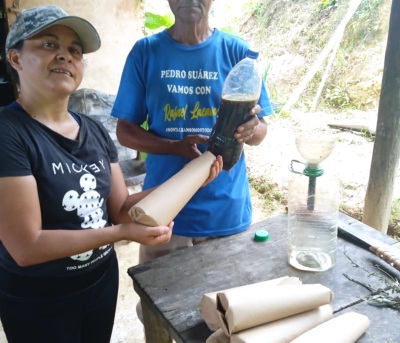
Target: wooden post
<point x="385" y="157"/>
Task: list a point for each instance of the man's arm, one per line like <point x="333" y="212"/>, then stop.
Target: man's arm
<point x="135" y="137"/>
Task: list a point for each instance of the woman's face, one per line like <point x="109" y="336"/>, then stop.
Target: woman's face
<point x="50" y="61"/>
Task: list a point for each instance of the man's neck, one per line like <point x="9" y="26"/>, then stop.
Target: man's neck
<point x="190" y="34"/>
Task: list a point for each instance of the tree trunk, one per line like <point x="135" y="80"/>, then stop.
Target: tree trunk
<point x="386" y="151"/>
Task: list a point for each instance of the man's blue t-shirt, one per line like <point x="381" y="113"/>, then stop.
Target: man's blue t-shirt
<point x="179" y="88"/>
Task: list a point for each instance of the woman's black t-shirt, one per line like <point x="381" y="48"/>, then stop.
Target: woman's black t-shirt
<point x="73" y="180"/>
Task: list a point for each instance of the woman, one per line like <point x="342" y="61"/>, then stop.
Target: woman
<point x="61" y="190"/>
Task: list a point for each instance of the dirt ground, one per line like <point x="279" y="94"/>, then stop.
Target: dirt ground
<point x="127" y="328"/>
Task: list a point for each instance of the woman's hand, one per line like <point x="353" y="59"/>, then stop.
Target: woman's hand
<point x="214" y="171"/>
<point x="147" y="235"/>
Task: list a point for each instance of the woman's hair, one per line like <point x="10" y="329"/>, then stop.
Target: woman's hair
<point x="10" y="70"/>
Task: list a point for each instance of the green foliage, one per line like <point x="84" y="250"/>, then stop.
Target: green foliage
<point x="143" y="156"/>
<point x="260" y="9"/>
<point x="337" y="96"/>
<point x="145" y="126"/>
<point x="155" y="21"/>
<point x="327" y="4"/>
<point x="273" y="91"/>
<point x="264" y="14"/>
<point x="365" y="24"/>
<point x="274" y="199"/>
<point x="367" y="134"/>
<point x="394" y="222"/>
<point x="266" y="71"/>
<point x="396" y="209"/>
<point x="284" y="114"/>
<point x="395" y="212"/>
<point x="231" y="31"/>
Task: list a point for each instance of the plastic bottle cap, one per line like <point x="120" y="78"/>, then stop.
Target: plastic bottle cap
<point x="261" y="236"/>
<point x="251" y="53"/>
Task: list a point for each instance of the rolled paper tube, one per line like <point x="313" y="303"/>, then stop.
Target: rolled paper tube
<point x="218" y="337"/>
<point x="208" y="304"/>
<point x="162" y="205"/>
<point x="286" y="329"/>
<point x="240" y="310"/>
<point x="346" y="328"/>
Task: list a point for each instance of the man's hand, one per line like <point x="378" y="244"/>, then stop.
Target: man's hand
<point x="187" y="147"/>
<point x="254" y="130"/>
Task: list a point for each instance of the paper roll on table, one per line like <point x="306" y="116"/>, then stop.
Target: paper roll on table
<point x="346" y="328"/>
<point x="285" y="329"/>
<point x="240" y="310"/>
<point x="162" y="205"/>
<point x="208" y="304"/>
<point x="218" y="337"/>
<point x="275" y="312"/>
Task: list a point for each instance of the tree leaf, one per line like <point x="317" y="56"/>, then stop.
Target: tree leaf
<point x="154" y="21"/>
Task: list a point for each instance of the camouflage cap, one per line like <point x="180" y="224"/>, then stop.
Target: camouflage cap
<point x="31" y="21"/>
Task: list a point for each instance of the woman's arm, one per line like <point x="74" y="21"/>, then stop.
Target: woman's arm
<point x="24" y="238"/>
<point x="120" y="202"/>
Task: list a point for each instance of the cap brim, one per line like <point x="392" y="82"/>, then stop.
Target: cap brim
<point x="86" y="32"/>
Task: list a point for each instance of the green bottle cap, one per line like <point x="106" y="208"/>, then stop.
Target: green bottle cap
<point x="261" y="236"/>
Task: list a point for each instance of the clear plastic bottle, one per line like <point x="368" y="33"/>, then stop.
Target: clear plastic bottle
<point x="240" y="93"/>
<point x="313" y="206"/>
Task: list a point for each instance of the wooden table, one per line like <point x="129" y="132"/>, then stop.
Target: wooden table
<point x="171" y="287"/>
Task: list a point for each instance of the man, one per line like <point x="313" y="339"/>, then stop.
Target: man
<point x="174" y="78"/>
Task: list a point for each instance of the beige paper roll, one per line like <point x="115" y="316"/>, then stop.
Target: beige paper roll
<point x="346" y="328"/>
<point x="240" y="310"/>
<point x="218" y="337"/>
<point x="208" y="304"/>
<point x="162" y="205"/>
<point x="286" y="329"/>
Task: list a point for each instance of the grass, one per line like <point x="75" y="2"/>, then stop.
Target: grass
<point x="273" y="198"/>
<point x="303" y="28"/>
